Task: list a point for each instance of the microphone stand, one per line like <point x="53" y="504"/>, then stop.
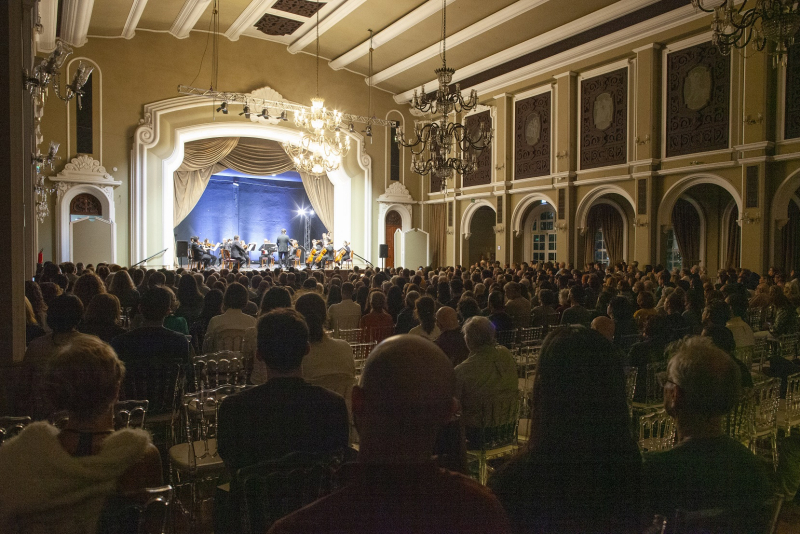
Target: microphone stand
<point x="151" y="257"/>
<point x="363" y="259"/>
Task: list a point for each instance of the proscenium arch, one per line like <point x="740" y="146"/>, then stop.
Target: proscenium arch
<point x="677" y="191"/>
<point x="466" y="218"/>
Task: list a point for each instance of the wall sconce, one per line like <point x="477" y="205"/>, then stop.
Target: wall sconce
<point x="749" y="120"/>
<point x="640" y="223"/>
<point x="450" y="231"/>
<point x="562" y="227"/>
<point x="695" y="162"/>
<point x="750" y="219"/>
<point x="642" y="141"/>
<point x="562" y="155"/>
<point x="46" y="161"/>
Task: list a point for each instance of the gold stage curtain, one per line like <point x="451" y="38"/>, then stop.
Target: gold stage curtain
<point x="320" y="193"/>
<point x="260" y="157"/>
<point x="438" y="226"/>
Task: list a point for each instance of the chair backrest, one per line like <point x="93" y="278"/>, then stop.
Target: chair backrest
<point x="130" y="413"/>
<point x="788" y="345"/>
<point x="631" y="373"/>
<point x="200" y="416"/>
<point x="161" y="383"/>
<point x="340" y="383"/>
<point x="140" y="512"/>
<point x="766" y="395"/>
<point x="756" y="518"/>
<point x="656" y="431"/>
<point x="739" y="421"/>
<point x="498" y="418"/>
<point x="376" y="333"/>
<point x="654" y="393"/>
<point x="219" y="368"/>
<point x="762" y="350"/>
<point x="626" y="342"/>
<point x="792" y="402"/>
<point x="351" y="335"/>
<point x="745" y="355"/>
<point x="553" y="319"/>
<point x="360" y="353"/>
<point x="754" y="318"/>
<point x="531" y="336"/>
<point x="267" y="491"/>
<point x="507" y="338"/>
<point x="229" y="339"/>
<point x="11" y="426"/>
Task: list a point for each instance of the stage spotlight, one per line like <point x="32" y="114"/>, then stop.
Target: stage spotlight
<point x="264" y="114"/>
<point x="310" y="213"/>
<point x="352" y="128"/>
<point x="283" y="116"/>
<point x="236" y="181"/>
<point x="223" y="108"/>
<point x="245" y="112"/>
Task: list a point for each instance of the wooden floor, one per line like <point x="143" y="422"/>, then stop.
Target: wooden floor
<point x="789" y="520"/>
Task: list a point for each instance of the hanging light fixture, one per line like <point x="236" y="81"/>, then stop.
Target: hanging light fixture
<point x="441" y="147"/>
<point x="768" y="21"/>
<point x="314" y="152"/>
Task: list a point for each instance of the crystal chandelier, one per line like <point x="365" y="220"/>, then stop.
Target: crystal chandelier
<point x="439" y="146"/>
<point x="768" y="21"/>
<point x="315" y="152"/>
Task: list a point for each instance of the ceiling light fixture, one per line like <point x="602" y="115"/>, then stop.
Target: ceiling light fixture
<point x="223" y="108"/>
<point x="264" y="114"/>
<point x="245" y="112"/>
<point x="768" y="21"/>
<point x="440" y="147"/>
<point x="315" y="152"/>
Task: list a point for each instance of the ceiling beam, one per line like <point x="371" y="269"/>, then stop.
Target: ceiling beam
<point x="336" y="10"/>
<point x="254" y="11"/>
<point x="470" y="32"/>
<point x="566" y="31"/>
<point x="48" y="12"/>
<point x="431" y="7"/>
<point x="137" y="8"/>
<point x="75" y="17"/>
<point x="190" y="13"/>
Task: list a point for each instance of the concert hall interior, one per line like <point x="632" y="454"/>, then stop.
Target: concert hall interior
<point x="632" y="141"/>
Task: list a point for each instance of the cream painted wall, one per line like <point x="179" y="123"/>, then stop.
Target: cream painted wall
<point x="149" y="68"/>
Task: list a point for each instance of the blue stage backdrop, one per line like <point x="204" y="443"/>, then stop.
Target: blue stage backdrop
<point x="250" y="207"/>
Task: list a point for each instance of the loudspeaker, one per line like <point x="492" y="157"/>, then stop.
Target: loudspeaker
<point x="383" y="251"/>
<point x="182" y="249"/>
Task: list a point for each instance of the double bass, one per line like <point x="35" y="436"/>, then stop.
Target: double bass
<point x="341" y="253"/>
<point x="321" y="254"/>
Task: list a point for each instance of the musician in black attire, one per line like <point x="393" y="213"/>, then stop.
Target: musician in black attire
<point x="266" y="249"/>
<point x="330" y="253"/>
<point x="346" y="255"/>
<point x="283" y="247"/>
<point x="238" y="254"/>
<point x="199" y="254"/>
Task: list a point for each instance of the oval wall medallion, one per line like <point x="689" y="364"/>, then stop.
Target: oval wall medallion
<point x="697" y="88"/>
<point x="603" y="111"/>
<point x="533" y="129"/>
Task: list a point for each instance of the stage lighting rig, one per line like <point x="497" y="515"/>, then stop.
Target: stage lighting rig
<point x="245" y="112"/>
<point x="223" y="108"/>
<point x="264" y="114"/>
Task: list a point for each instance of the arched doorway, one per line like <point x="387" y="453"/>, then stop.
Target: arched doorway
<point x="789" y="255"/>
<point x="605" y="233"/>
<point x="481" y="242"/>
<point x="394" y="222"/>
<point x="539" y="234"/>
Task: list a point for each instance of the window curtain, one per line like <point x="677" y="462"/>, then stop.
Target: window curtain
<point x="791" y="240"/>
<point x="200" y="161"/>
<point x="438" y="234"/>
<point x="206" y="157"/>
<point x="613" y="230"/>
<point x="320" y="193"/>
<point x="592" y="226"/>
<point x="686" y="225"/>
<point x="734" y="238"/>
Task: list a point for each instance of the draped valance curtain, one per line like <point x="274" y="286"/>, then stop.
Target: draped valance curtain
<point x="686" y="225"/>
<point x="206" y="157"/>
<point x="734" y="238"/>
<point x="606" y="218"/>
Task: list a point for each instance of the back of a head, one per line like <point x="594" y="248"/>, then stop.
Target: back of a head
<point x="275" y="297"/>
<point x="84" y="378"/>
<point x="468" y="307"/>
<point x="579" y="381"/>
<point x="576" y="295"/>
<point x="103" y="308"/>
<point x="155" y="303"/>
<point x="721" y="336"/>
<point x="447" y="318"/>
<point x="64" y="313"/>
<point x="717" y="312"/>
<point x="236" y="296"/>
<point x="212" y="303"/>
<point x="709" y="378"/>
<point x="738" y="305"/>
<point x="282" y="339"/>
<point x="312" y="307"/>
<point x="479" y="332"/>
<point x="656" y="326"/>
<point x="496" y="300"/>
<point x="377" y="301"/>
<point x="408" y="384"/>
<point x="411" y="298"/>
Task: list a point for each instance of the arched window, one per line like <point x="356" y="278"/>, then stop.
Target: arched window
<point x="674" y="260"/>
<point x="85" y="205"/>
<point x="544" y="237"/>
<point x="600" y="250"/>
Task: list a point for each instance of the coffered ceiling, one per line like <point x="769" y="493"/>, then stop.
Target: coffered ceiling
<point x="486" y="39"/>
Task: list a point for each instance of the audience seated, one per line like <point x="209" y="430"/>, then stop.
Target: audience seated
<point x="546" y="308"/>
<point x="576" y="313"/>
<point x="405" y="397"/>
<point x="650" y="350"/>
<point x="580" y="470"/>
<point x="152" y="342"/>
<point x="451" y="339"/>
<point x="488" y="373"/>
<point x="425" y="313"/>
<point x="286" y="413"/>
<point x="32" y="327"/>
<point x="706" y="468"/>
<point x="232" y="319"/>
<point x="377" y="325"/>
<point x="58" y="480"/>
<point x="517" y="306"/>
<point x="276" y="297"/>
<point x="102" y="318"/>
<point x="405" y="319"/>
<point x="347" y="314"/>
<point x="620" y="311"/>
<point x="497" y="313"/>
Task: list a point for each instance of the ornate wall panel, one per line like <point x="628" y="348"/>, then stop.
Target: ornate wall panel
<point x="274" y="25"/>
<point x="85" y="204"/>
<point x="304" y="8"/>
<point x="483" y="173"/>
<point x="532" y="136"/>
<point x="698" y="100"/>
<point x="604" y="120"/>
<point x="793" y="93"/>
<point x="562" y="204"/>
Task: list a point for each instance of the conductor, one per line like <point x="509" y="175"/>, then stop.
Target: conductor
<point x="283" y="247"/>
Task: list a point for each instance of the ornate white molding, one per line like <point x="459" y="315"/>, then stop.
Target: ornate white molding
<point x="137" y="8"/>
<point x="188" y="16"/>
<point x="331" y="14"/>
<point x="85" y="170"/>
<point x="247" y="18"/>
<point x="75" y="17"/>
<point x="499" y="229"/>
<point x="396" y="193"/>
<point x="48" y="11"/>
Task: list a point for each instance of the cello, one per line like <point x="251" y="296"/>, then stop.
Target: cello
<point x="341" y="253"/>
<point x="310" y="258"/>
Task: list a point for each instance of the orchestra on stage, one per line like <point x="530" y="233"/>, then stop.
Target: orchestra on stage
<point x="236" y="252"/>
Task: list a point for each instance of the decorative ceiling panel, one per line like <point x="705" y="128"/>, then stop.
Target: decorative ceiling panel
<point x="698" y="100"/>
<point x="275" y="25"/>
<point x="304" y="8"/>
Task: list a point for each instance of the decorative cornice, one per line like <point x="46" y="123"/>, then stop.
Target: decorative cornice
<point x="85" y="170"/>
<point x="188" y="16"/>
<point x="48" y="12"/>
<point x="137" y="8"/>
<point x="470" y="32"/>
<point x="396" y="193"/>
<point x="336" y="12"/>
<point x="75" y="17"/>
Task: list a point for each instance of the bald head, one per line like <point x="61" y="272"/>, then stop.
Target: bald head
<point x="447" y="319"/>
<point x="604" y="326"/>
